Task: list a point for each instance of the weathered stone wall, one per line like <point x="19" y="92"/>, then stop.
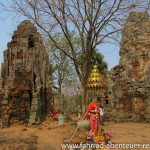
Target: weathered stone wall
<point x="129" y="82"/>
<point x="25" y="84"/>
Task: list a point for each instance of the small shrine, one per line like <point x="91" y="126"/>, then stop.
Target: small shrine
<point x="95" y="133"/>
<point x="97" y="85"/>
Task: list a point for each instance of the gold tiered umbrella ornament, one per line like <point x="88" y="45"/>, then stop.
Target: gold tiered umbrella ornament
<point x="95" y="81"/>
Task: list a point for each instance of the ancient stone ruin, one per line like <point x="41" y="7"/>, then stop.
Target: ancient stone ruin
<point x="25" y="84"/>
<point x="129" y="82"/>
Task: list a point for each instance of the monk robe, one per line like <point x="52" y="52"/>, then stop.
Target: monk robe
<point x="93" y="109"/>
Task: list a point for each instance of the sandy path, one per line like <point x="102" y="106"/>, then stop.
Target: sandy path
<point x="129" y="132"/>
<point x="48" y="136"/>
<point x="51" y="136"/>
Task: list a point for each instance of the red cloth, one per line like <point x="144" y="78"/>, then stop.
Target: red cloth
<point x="54" y="115"/>
<point x="93" y="106"/>
<point x="94" y="116"/>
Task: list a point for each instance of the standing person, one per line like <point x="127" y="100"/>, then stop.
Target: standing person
<point x="54" y="115"/>
<point x="93" y="109"/>
<point x="61" y="119"/>
<point x="101" y="115"/>
<point x="79" y="113"/>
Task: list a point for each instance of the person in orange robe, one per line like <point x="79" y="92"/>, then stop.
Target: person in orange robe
<point x="93" y="109"/>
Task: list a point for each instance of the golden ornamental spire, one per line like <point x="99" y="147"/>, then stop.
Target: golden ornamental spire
<point x="95" y="80"/>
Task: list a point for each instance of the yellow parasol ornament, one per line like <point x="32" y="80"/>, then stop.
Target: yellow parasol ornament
<point x="96" y="80"/>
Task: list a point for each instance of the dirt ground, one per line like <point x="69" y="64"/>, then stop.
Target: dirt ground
<point x="49" y="136"/>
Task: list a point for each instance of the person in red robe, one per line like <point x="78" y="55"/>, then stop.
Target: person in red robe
<point x="93" y="109"/>
<point x="54" y="115"/>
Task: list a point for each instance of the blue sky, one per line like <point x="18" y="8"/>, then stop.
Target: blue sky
<point x="8" y="25"/>
<point x="111" y="54"/>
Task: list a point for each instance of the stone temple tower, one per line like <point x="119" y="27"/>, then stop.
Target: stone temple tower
<point x="25" y="84"/>
<point x="129" y="85"/>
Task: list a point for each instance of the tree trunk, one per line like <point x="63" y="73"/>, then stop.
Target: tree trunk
<point x="85" y="99"/>
<point x="59" y="87"/>
<point x="83" y="81"/>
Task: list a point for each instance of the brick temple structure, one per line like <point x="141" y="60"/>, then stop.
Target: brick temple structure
<point x="129" y="82"/>
<point x="25" y="84"/>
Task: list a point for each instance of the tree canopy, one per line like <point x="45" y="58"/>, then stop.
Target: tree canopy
<point x="63" y="71"/>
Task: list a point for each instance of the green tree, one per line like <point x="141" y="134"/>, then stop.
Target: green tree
<point x="63" y="72"/>
<point x="98" y="58"/>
